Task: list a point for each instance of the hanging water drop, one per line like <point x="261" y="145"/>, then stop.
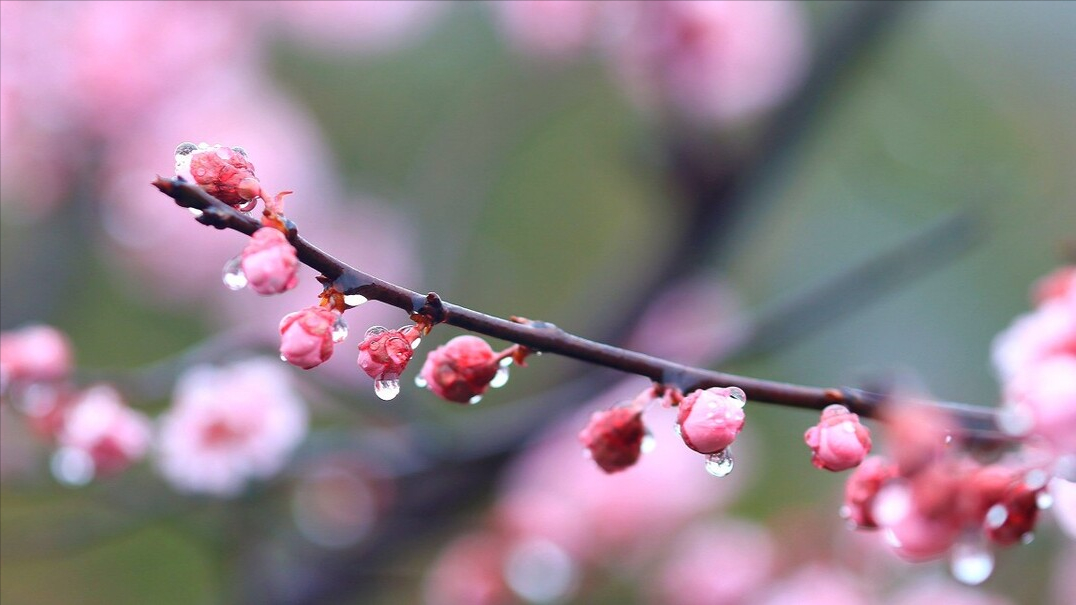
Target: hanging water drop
<point x="386" y="390"/>
<point x="649" y="442"/>
<point x="719" y="464"/>
<point x="282" y="357"/>
<point x="507" y="361"/>
<point x="415" y="343"/>
<point x="997" y="516"/>
<point x="72" y="466"/>
<point x="1044" y="500"/>
<point x="971" y="562"/>
<point x="339" y="329"/>
<point x="196" y="213"/>
<point x="500" y="378"/>
<point x="474" y="400"/>
<point x="420" y="382"/>
<point x="354" y="300"/>
<point x="185" y="149"/>
<point x="232" y="275"/>
<point x="738" y="394"/>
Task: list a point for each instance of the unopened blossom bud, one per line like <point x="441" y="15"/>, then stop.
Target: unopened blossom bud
<point x="225" y="173"/>
<point x="863" y="485"/>
<point x="269" y="262"/>
<point x="384" y="354"/>
<point x="461" y="369"/>
<point x="306" y="336"/>
<point x="34" y="354"/>
<point x="614" y="438"/>
<point x="710" y="419"/>
<point x="838" y="442"/>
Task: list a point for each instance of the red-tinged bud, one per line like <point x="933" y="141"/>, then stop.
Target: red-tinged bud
<point x="225" y="173"/>
<point x="838" y="442"/>
<point x="709" y="420"/>
<point x="461" y="370"/>
<point x="614" y="438"/>
<point x="863" y="485"/>
<point x="384" y="354"/>
<point x="269" y="262"/>
<point x="306" y="336"/>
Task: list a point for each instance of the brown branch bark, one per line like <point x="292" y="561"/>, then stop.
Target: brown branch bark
<point x="978" y="424"/>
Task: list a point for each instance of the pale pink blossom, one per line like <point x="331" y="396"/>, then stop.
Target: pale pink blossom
<point x="689" y="577"/>
<point x="838" y="442"/>
<point x="228" y="426"/>
<point x="1064" y="509"/>
<point x="816" y="584"/>
<point x="1048" y="331"/>
<point x="718" y="60"/>
<point x="1046" y="393"/>
<point x="862" y="487"/>
<point x="935" y="591"/>
<point x="306" y="336"/>
<point x="548" y="28"/>
<point x="912" y="534"/>
<point x="269" y="262"/>
<point x="350" y="27"/>
<point x="469" y="571"/>
<point x="710" y="419"/>
<point x="99" y="424"/>
<point x="36" y="353"/>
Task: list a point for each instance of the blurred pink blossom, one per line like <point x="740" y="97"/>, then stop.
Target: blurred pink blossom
<point x="926" y="590"/>
<point x="1064" y="495"/>
<point x="228" y="426"/>
<point x="719" y="60"/>
<point x="350" y="27"/>
<point x="549" y="28"/>
<point x="469" y="571"/>
<point x="37" y="353"/>
<point x="816" y="584"/>
<point x="1046" y="392"/>
<point x="99" y="425"/>
<point x="689" y="577"/>
<point x="1048" y="331"/>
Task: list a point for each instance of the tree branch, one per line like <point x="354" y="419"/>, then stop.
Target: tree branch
<point x="978" y="423"/>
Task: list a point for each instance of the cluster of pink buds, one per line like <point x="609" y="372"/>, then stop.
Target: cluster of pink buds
<point x="838" y="442"/>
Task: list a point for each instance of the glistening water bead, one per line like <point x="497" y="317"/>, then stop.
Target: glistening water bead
<point x="719" y="464"/>
<point x="232" y="274"/>
<point x="339" y="329"/>
<point x="354" y="300"/>
<point x="971" y="562"/>
<point x="386" y="390"/>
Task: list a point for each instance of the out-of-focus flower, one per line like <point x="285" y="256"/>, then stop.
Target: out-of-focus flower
<point x="1047" y="332"/>
<point x="469" y="571"/>
<point x="228" y="426"/>
<point x="101" y="428"/>
<point x="932" y="591"/>
<point x="838" y="442"/>
<point x="549" y="28"/>
<point x="36" y="353"/>
<point x="461" y="369"/>
<point x="1064" y="495"/>
<point x="862" y="486"/>
<point x="688" y="576"/>
<point x="351" y="27"/>
<point x="1046" y="393"/>
<point x="1057" y="286"/>
<point x="614" y="438"/>
<point x="710" y="419"/>
<point x="816" y="584"/>
<point x="269" y="262"/>
<point x="719" y="61"/>
<point x="306" y="336"/>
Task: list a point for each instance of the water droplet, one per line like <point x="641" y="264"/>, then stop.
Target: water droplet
<point x="72" y="466"/>
<point x="354" y="300"/>
<point x="1036" y="478"/>
<point x="540" y="571"/>
<point x="196" y="213"/>
<point x="375" y="330"/>
<point x="971" y="562"/>
<point x="186" y="149"/>
<point x="1015" y="421"/>
<point x="474" y="400"/>
<point x="996" y="516"/>
<point x="282" y="358"/>
<point x="844" y="512"/>
<point x="738" y="394"/>
<point x="1044" y="500"/>
<point x="678" y="430"/>
<point x="386" y="390"/>
<point x="948" y="438"/>
<point x="1027" y="538"/>
<point x="649" y="442"/>
<point x="232" y="275"/>
<point x="507" y="361"/>
<point x="500" y="378"/>
<point x="420" y="382"/>
<point x="415" y="343"/>
<point x="339" y="329"/>
<point x="240" y="151"/>
<point x="719" y="464"/>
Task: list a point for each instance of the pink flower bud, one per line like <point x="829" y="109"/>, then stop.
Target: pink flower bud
<point x="34" y="354"/>
<point x="306" y="336"/>
<point x="863" y="485"/>
<point x="269" y="262"/>
<point x="710" y="419"/>
<point x="461" y="369"/>
<point x="384" y="354"/>
<point x="224" y="173"/>
<point x="838" y="442"/>
<point x="614" y="438"/>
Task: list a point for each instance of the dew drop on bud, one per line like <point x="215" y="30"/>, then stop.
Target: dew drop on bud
<point x="719" y="464"/>
<point x="72" y="466"/>
<point x="507" y="361"/>
<point x="474" y="400"/>
<point x="676" y="427"/>
<point x="420" y="382"/>
<point x="375" y="330"/>
<point x="500" y="378"/>
<point x="240" y="151"/>
<point x="971" y="562"/>
<point x="354" y="300"/>
<point x="232" y="275"/>
<point x="996" y="516"/>
<point x="1044" y="501"/>
<point x="196" y="213"/>
<point x="738" y="394"/>
<point x="649" y="442"/>
<point x="282" y="358"/>
<point x="186" y="149"/>
<point x="1036" y="479"/>
<point x="386" y="390"/>
<point x="415" y="343"/>
<point x="339" y="329"/>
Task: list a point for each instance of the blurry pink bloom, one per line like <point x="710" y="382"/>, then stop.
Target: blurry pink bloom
<point x="688" y="577"/>
<point x="228" y="426"/>
<point x="384" y="354"/>
<point x="469" y="571"/>
<point x="917" y="435"/>
<point x="710" y="419"/>
<point x="1046" y="394"/>
<point x="719" y="60"/>
<point x="1048" y="331"/>
<point x="862" y="486"/>
<point x="614" y="438"/>
<point x="306" y="336"/>
<point x="816" y="584"/>
<point x="913" y="535"/>
<point x="348" y="27"/>
<point x="99" y="424"/>
<point x="36" y="353"/>
<point x="269" y="262"/>
<point x="225" y="173"/>
<point x="838" y="442"/>
<point x="461" y="369"/>
<point x="1064" y="495"/>
<point x="548" y="28"/>
<point x="935" y="591"/>
<point x="1059" y="285"/>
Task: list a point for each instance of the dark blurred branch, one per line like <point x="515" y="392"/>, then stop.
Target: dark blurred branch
<point x="978" y="422"/>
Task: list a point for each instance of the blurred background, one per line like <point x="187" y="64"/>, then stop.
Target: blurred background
<point x="822" y="193"/>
